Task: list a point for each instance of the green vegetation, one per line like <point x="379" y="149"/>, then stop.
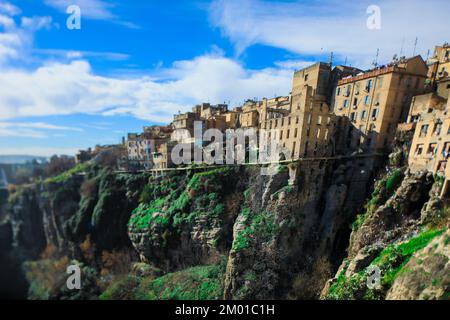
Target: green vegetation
<point x="286" y="189"/>
<point x="261" y="226"/>
<point x="384" y="190"/>
<point x="66" y="175"/>
<point x="171" y="202"/>
<point x="391" y="262"/>
<point x="197" y="283"/>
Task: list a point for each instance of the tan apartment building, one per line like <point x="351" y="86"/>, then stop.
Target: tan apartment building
<point x="439" y="64"/>
<point x="141" y="147"/>
<point x="306" y="129"/>
<point x="430" y="147"/>
<point x="376" y="101"/>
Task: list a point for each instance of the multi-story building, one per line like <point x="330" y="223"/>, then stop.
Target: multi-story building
<point x="430" y="146"/>
<point x="439" y="64"/>
<point x="141" y="147"/>
<point x="376" y="101"/>
<point x="304" y="129"/>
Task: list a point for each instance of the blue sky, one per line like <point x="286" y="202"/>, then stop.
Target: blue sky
<point x="136" y="62"/>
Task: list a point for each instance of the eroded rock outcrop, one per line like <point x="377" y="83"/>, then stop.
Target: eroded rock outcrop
<point x="427" y="274"/>
<point x="398" y="244"/>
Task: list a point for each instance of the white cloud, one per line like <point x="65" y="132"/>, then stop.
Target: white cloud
<point x="9" y="8"/>
<point x="70" y="86"/>
<point x="17" y="39"/>
<point x="76" y="54"/>
<point x="317" y="28"/>
<point x="30" y="129"/>
<point x="61" y="89"/>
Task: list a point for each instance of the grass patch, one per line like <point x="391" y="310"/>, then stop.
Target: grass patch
<point x="66" y="175"/>
<point x="391" y="262"/>
<point x="197" y="283"/>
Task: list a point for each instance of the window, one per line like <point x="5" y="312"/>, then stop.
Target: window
<point x="363" y="115"/>
<point x="289" y="121"/>
<point x="437" y="128"/>
<point x="355" y="102"/>
<point x="348" y="90"/>
<point x="345" y="103"/>
<point x="366" y="100"/>
<point x="353" y="116"/>
<point x="287" y="134"/>
<point x="318" y="133"/>
<point x="338" y="91"/>
<point x="446" y="150"/>
<point x="319" y="120"/>
<point x="423" y="130"/>
<point x="369" y="85"/>
<point x="295" y="133"/>
<point x="419" y="149"/>
<point x="432" y="148"/>
<point x="306" y="77"/>
<point x="326" y="134"/>
<point x="374" y="114"/>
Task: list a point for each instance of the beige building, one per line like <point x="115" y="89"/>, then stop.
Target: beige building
<point x="430" y="148"/>
<point x="306" y="129"/>
<point x="141" y="147"/>
<point x="376" y="101"/>
<point x="439" y="64"/>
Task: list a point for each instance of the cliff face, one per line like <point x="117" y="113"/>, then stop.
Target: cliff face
<point x="269" y="229"/>
<point x="233" y="233"/>
<point x="399" y="245"/>
<point x="403" y="235"/>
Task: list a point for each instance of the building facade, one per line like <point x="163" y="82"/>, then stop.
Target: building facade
<point x="376" y="101"/>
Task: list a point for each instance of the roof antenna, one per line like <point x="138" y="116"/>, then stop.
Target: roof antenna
<point x="401" y="49"/>
<point x="331" y="59"/>
<point x="415" y="46"/>
<point x="345" y="63"/>
<point x="375" y="63"/>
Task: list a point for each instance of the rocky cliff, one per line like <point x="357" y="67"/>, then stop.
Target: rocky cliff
<point x="229" y="232"/>
<point x="399" y="246"/>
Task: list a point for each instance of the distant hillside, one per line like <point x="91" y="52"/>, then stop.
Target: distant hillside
<point x="20" y="159"/>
